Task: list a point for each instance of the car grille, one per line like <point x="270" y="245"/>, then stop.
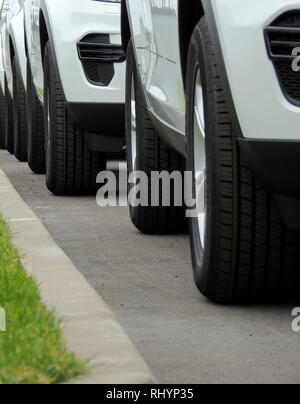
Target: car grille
<point x="282" y="37"/>
<point x="98" y="56"/>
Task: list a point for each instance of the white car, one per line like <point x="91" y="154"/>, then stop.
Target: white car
<point x="75" y="88"/>
<point x="2" y="83"/>
<point x="13" y="77"/>
<point x="217" y="82"/>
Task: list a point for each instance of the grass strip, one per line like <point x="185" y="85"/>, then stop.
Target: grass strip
<point x="32" y="350"/>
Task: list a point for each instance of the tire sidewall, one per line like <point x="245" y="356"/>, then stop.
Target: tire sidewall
<point x="48" y="104"/>
<point x="16" y="95"/>
<point x="9" y="133"/>
<point x="131" y="74"/>
<point x="29" y="110"/>
<point x="202" y="258"/>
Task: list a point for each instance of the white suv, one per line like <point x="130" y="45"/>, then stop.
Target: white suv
<point x="75" y="89"/>
<point x="212" y="81"/>
<point x="13" y="77"/>
<point x="2" y="78"/>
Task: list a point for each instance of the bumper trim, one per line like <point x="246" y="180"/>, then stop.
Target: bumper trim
<point x="275" y="162"/>
<point x="99" y="118"/>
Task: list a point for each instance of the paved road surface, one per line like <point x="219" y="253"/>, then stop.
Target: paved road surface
<point x="148" y="282"/>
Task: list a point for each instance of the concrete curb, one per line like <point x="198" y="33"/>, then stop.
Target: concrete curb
<point x="91" y="329"/>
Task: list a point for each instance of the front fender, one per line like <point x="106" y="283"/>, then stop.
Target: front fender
<point x="2" y="84"/>
<point x="262" y="109"/>
<point x="16" y="32"/>
<point x="210" y="11"/>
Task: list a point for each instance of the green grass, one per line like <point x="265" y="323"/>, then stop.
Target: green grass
<point x="32" y="351"/>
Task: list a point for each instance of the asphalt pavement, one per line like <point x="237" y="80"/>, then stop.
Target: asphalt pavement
<point x="148" y="282"/>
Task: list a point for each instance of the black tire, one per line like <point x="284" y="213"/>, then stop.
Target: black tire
<point x="71" y="168"/>
<point x="248" y="256"/>
<point x="9" y="122"/>
<point x="2" y="119"/>
<point x="152" y="155"/>
<point x="19" y="113"/>
<point x="35" y="127"/>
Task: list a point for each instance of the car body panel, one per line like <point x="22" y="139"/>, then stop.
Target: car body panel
<point x="2" y="28"/>
<point x="68" y="21"/>
<point x="12" y="31"/>
<point x="155" y="33"/>
<point x="262" y="110"/>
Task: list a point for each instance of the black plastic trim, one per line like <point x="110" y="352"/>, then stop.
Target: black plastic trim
<point x="99" y="118"/>
<point x="98" y="57"/>
<point x="105" y="144"/>
<point x="275" y="163"/>
<point x="279" y="57"/>
<point x="169" y="135"/>
<point x="125" y="26"/>
<point x="100" y="52"/>
<point x="51" y="42"/>
<point x="290" y="211"/>
<point x="212" y="25"/>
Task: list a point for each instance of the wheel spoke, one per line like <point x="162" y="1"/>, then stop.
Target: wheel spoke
<point x="133" y="125"/>
<point x="200" y="158"/>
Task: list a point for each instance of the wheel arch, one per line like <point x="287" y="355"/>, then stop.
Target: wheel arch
<point x="188" y="17"/>
<point x="44" y="34"/>
<point x="45" y="37"/>
<point x="25" y="39"/>
<point x="125" y="25"/>
<point x="12" y="51"/>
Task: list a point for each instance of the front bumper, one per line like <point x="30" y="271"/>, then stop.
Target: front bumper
<point x="70" y="21"/>
<point x="262" y="109"/>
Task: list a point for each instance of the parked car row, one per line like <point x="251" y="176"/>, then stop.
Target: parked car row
<point x="209" y="89"/>
<point x="63" y="80"/>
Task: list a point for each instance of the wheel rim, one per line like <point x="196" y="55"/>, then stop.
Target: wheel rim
<point x="200" y="158"/>
<point x="133" y="126"/>
<point x="133" y="140"/>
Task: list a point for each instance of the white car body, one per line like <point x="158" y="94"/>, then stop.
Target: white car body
<point x="2" y="12"/>
<point x="67" y="22"/>
<point x="154" y="29"/>
<point x="12" y="41"/>
<point x="240" y="28"/>
<point x="93" y="86"/>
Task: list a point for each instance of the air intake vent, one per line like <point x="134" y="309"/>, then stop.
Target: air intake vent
<point x="96" y="48"/>
<point x="282" y="37"/>
<point x="98" y="57"/>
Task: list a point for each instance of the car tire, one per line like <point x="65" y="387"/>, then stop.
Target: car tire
<point x="19" y="113"/>
<point x="9" y="122"/>
<point x="152" y="154"/>
<point x="35" y="127"/>
<point x="2" y="119"/>
<point x="246" y="254"/>
<point x="71" y="168"/>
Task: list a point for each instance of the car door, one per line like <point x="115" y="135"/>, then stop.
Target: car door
<point x="154" y="25"/>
